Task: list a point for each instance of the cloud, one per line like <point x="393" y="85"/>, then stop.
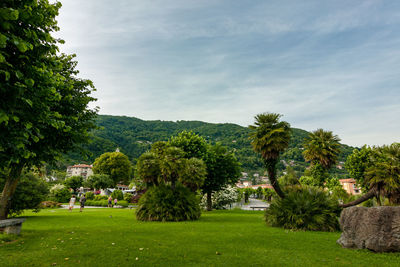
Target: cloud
<point x="322" y="64"/>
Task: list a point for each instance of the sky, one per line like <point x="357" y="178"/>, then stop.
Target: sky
<point x="321" y="64"/>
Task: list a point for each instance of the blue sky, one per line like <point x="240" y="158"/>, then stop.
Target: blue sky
<point x="322" y="64"/>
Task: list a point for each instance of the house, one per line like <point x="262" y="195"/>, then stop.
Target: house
<point x="263" y="186"/>
<point x="83" y="170"/>
<point x="350" y="185"/>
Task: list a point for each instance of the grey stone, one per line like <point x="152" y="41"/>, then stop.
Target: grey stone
<point x="12" y="226"/>
<point x="376" y="228"/>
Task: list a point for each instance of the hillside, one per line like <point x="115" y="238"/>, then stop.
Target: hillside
<point x="134" y="136"/>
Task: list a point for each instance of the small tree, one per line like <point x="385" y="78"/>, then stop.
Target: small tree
<point x="99" y="181"/>
<point x="114" y="164"/>
<point x="60" y="193"/>
<point x="73" y="182"/>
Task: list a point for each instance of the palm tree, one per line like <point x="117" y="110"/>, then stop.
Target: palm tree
<point x="322" y="147"/>
<point x="270" y="137"/>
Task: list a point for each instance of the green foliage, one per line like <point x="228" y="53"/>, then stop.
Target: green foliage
<point x="128" y="197"/>
<point x="114" y="164"/>
<point x="30" y="192"/>
<point x="290" y="178"/>
<point x="357" y="163"/>
<point x="117" y="194"/>
<point x="384" y="173"/>
<point x="73" y="182"/>
<point x="104" y="203"/>
<point x="46" y="112"/>
<point x="99" y="181"/>
<point x="222" y="198"/>
<point x="322" y="147"/>
<point x="304" y="208"/>
<point x="163" y="203"/>
<point x="60" y="193"/>
<point x="193" y="145"/>
<point x="89" y="195"/>
<point x="100" y="197"/>
<point x="223" y="168"/>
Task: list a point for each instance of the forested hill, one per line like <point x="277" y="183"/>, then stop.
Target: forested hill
<point x="134" y="136"/>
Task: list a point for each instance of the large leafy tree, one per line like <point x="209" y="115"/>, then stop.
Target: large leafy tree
<point x="74" y="182"/>
<point x="270" y="137"/>
<point x="114" y="164"/>
<point x="43" y="105"/>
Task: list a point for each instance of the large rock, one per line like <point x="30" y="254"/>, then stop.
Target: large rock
<point x="376" y="229"/>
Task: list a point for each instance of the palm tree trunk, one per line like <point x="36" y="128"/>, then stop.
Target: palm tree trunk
<point x="370" y="194"/>
<point x="274" y="182"/>
<point x="8" y="191"/>
<point x="209" y="201"/>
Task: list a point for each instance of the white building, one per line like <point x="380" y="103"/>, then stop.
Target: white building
<point x="80" y="170"/>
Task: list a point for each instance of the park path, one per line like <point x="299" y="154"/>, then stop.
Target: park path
<point x="253" y="202"/>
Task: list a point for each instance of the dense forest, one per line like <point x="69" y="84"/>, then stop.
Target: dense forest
<point x="134" y="136"/>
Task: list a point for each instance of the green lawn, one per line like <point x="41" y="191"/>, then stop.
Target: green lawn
<point x="113" y="237"/>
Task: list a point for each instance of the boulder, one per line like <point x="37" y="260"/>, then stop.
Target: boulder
<point x="376" y="228"/>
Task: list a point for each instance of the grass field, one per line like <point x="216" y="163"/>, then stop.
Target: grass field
<point x="113" y="237"/>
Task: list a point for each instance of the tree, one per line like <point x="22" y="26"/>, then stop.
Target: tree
<point x="99" y="181"/>
<point x="270" y="137"/>
<point x="30" y="192"/>
<point x="357" y="163"/>
<point x="43" y="105"/>
<point x="74" y="182"/>
<point x="290" y="178"/>
<point x="223" y="169"/>
<point x="193" y="145"/>
<point x="114" y="164"/>
<point x="380" y="172"/>
<point x="171" y="181"/>
<point x="322" y="147"/>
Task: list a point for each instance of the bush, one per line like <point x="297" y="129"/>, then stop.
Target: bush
<point x="89" y="195"/>
<point x="100" y="197"/>
<point x="162" y="203"/>
<point x="104" y="203"/>
<point x="304" y="208"/>
<point x="222" y="198"/>
<point x="117" y="194"/>
<point x="128" y="197"/>
<point x="30" y="191"/>
<point x="49" y="205"/>
<point x="60" y="193"/>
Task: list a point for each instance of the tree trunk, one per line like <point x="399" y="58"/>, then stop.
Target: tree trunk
<point x="209" y="201"/>
<point x="370" y="194"/>
<point x="8" y="191"/>
<point x="274" y="182"/>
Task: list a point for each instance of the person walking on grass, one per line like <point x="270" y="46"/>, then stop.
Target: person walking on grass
<point x="82" y="200"/>
<point x="72" y="202"/>
<point x="110" y="202"/>
<point x="115" y="202"/>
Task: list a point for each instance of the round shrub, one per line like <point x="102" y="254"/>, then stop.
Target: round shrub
<point x="304" y="208"/>
<point x="162" y="203"/>
<point x="128" y="197"/>
<point x="89" y="195"/>
<point x="222" y="198"/>
<point x="117" y="194"/>
<point x="60" y="193"/>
